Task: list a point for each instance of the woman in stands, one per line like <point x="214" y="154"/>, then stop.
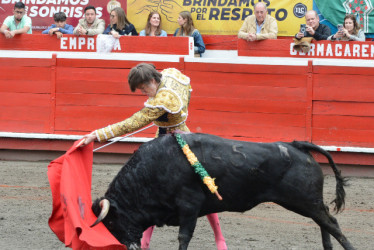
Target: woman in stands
<point x="153" y="26"/>
<point x="119" y="24"/>
<point x="187" y="28"/>
<point x="350" y="31"/>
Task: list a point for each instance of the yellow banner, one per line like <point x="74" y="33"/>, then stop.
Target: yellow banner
<point x="219" y="17"/>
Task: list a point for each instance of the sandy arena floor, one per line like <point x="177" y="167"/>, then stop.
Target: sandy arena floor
<point x="26" y="206"/>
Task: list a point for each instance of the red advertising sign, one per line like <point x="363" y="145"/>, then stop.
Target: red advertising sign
<point x="41" y="11"/>
<point x="126" y="44"/>
<point x="318" y="49"/>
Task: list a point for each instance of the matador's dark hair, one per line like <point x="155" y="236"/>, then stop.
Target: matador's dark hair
<point x="143" y="73"/>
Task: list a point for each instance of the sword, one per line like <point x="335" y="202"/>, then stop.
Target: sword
<point x="116" y="139"/>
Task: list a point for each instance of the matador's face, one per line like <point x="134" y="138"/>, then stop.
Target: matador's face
<point x="149" y="89"/>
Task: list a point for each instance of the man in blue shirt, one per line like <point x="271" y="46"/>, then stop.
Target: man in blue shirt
<point x="19" y="23"/>
<point x="60" y="27"/>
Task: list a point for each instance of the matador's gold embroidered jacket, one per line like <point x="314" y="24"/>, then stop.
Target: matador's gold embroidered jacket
<point x="168" y="109"/>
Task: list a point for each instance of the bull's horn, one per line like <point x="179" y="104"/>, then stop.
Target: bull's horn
<point x="104" y="204"/>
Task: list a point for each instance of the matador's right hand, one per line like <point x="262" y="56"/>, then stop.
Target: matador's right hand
<point x="87" y="139"/>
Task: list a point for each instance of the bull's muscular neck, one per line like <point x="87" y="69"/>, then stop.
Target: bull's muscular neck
<point x="128" y="195"/>
<point x="130" y="230"/>
<point x="132" y="236"/>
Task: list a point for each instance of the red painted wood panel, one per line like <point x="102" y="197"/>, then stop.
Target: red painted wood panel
<point x="92" y="74"/>
<point x="251" y="92"/>
<point x="249" y="132"/>
<point x="343" y="137"/>
<point x="24" y="126"/>
<point x="343" y="122"/>
<point x="90" y="118"/>
<point x="24" y="99"/>
<point x="343" y="87"/>
<point x="220" y="42"/>
<point x="269" y="47"/>
<point x="92" y="80"/>
<point x="343" y="70"/>
<point x="24" y="73"/>
<point x="52" y="110"/>
<point x="25" y="62"/>
<point x="20" y="113"/>
<point x="119" y="64"/>
<point x="95" y="63"/>
<point x="260" y="119"/>
<point x="343" y="108"/>
<point x="248" y="79"/>
<point x="93" y="87"/>
<point x="353" y="94"/>
<point x="348" y="80"/>
<point x="109" y="100"/>
<point x="245" y="68"/>
<point x="246" y="105"/>
<point x="25" y="86"/>
<point x="24" y="112"/>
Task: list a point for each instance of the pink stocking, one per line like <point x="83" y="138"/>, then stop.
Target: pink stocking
<point x="147" y="234"/>
<point x="214" y="223"/>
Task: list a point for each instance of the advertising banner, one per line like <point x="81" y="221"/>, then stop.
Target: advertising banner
<point x="41" y="11"/>
<point x="219" y="17"/>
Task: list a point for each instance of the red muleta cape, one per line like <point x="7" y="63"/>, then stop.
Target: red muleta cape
<point x="70" y="180"/>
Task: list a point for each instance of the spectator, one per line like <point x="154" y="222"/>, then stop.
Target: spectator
<point x="187" y="28"/>
<point x="153" y="26"/>
<point x="19" y="23"/>
<point x="60" y="27"/>
<point x="259" y="26"/>
<point x="89" y="25"/>
<point x="119" y="24"/>
<point x="350" y="31"/>
<point x="314" y="29"/>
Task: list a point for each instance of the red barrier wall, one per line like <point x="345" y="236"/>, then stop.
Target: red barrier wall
<point x="249" y="102"/>
<point x="323" y="101"/>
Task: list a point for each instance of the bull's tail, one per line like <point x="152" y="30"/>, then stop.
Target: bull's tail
<point x="340" y="181"/>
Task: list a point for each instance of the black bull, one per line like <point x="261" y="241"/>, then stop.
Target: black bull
<point x="157" y="186"/>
